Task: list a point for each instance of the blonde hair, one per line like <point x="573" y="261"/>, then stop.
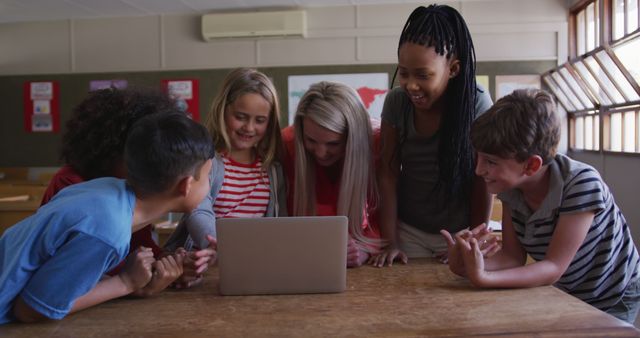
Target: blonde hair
<point x="338" y="108"/>
<point x="237" y="83"/>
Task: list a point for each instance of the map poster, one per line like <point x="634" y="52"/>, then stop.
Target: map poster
<point x="372" y="88"/>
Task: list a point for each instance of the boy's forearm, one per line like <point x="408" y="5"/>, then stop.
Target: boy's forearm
<point x="105" y="290"/>
<point x="501" y="260"/>
<point x="532" y="275"/>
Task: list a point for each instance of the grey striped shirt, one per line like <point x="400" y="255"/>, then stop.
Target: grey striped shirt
<point x="607" y="260"/>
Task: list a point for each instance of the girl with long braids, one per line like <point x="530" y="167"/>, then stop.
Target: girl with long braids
<point x="426" y="176"/>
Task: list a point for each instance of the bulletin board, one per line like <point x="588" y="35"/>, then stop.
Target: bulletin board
<point x="21" y="148"/>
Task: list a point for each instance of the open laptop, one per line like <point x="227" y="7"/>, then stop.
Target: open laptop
<point x="283" y="255"/>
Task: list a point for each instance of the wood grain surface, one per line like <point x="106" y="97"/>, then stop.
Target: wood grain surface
<point x="422" y="298"/>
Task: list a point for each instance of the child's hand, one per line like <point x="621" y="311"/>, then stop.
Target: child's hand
<point x="196" y="263"/>
<point x="481" y="233"/>
<point x="488" y="243"/>
<point x="473" y="260"/>
<point x="165" y="271"/>
<point x="454" y="259"/>
<point x="355" y="256"/>
<point x="388" y="256"/>
<point x="137" y="270"/>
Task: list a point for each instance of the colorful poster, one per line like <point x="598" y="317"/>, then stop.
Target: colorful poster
<point x="483" y="80"/>
<point x="372" y="88"/>
<point x="505" y="84"/>
<point x="185" y="92"/>
<point x="41" y="90"/>
<point x="41" y="109"/>
<point x="104" y="84"/>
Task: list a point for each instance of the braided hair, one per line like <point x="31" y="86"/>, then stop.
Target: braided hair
<point x="443" y="28"/>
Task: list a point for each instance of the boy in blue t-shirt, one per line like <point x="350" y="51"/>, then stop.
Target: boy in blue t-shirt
<point x="557" y="210"/>
<point x="51" y="263"/>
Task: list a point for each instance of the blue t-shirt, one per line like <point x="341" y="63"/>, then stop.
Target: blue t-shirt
<point x="60" y="253"/>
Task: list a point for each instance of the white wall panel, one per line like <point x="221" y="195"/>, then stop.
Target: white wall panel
<point x="385" y="15"/>
<point x="513" y="11"/>
<point x="378" y="49"/>
<point x="121" y="44"/>
<point x="306" y="51"/>
<point x="522" y="46"/>
<point x="41" y="47"/>
<point x="335" y="17"/>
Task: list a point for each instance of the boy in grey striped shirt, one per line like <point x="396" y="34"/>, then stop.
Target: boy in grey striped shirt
<point x="557" y="210"/>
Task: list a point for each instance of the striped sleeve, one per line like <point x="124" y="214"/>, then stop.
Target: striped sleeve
<point x="584" y="192"/>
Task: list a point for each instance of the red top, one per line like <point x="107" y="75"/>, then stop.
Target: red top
<point x="327" y="190"/>
<point x="67" y="176"/>
<point x="245" y="190"/>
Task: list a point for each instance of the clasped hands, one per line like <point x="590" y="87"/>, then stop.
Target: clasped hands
<point x="467" y="250"/>
<point x="147" y="276"/>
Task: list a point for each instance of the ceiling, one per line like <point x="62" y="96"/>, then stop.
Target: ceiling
<point x="43" y="10"/>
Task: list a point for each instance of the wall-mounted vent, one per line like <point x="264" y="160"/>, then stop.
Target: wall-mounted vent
<point x="254" y="24"/>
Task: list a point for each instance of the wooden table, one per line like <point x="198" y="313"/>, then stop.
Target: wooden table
<point x="419" y="299"/>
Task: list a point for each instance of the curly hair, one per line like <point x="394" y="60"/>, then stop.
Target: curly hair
<point x="95" y="136"/>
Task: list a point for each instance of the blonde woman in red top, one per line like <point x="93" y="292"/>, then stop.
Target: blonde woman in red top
<point x="330" y="165"/>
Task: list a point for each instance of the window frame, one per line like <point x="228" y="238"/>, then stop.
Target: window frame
<point x="609" y="86"/>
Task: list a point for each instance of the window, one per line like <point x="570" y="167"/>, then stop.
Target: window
<point x="625" y="17"/>
<point x="587" y="27"/>
<point x="599" y="87"/>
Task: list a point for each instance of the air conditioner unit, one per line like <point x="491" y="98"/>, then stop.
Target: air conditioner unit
<point x="254" y="24"/>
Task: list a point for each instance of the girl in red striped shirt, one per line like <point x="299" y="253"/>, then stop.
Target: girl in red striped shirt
<point x="246" y="178"/>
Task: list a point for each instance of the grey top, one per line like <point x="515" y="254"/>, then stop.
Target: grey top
<point x="607" y="261"/>
<point x="418" y="204"/>
<point x="194" y="227"/>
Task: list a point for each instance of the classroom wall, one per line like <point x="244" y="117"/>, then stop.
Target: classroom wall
<point x="503" y="30"/>
<point x="20" y="148"/>
<point x="511" y="37"/>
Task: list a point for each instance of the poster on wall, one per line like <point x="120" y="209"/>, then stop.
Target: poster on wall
<point x="104" y="84"/>
<point x="41" y="108"/>
<point x="185" y="92"/>
<point x="506" y="84"/>
<point x="372" y="88"/>
<point x="483" y="80"/>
